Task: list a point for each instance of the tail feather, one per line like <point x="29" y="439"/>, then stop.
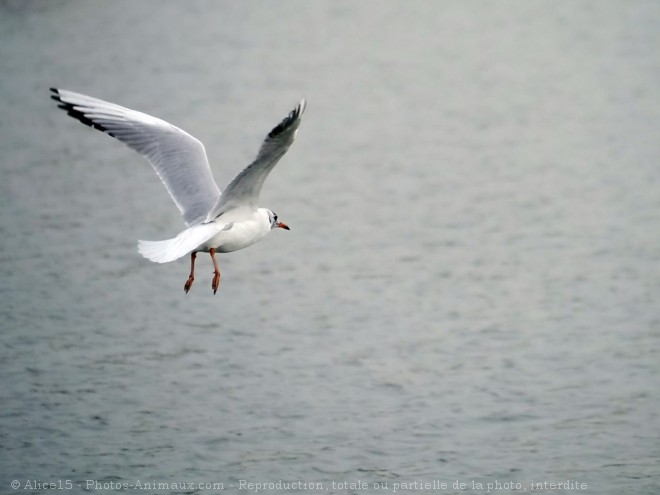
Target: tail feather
<point x="184" y="243"/>
<point x="160" y="251"/>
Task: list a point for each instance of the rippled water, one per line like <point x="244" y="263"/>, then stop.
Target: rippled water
<point x="469" y="292"/>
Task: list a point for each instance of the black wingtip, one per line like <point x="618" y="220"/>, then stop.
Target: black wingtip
<point x="72" y="111"/>
<point x="289" y="120"/>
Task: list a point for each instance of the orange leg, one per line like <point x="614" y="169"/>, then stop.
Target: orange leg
<point x="191" y="277"/>
<point x="216" y="273"/>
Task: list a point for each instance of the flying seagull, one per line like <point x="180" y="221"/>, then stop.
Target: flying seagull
<point x="215" y="222"/>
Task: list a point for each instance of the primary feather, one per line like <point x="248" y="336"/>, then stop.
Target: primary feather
<point x="244" y="189"/>
<point x="178" y="158"/>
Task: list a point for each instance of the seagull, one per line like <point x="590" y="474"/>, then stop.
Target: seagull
<point x="216" y="222"/>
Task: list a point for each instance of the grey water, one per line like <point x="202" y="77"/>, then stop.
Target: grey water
<point x="469" y="293"/>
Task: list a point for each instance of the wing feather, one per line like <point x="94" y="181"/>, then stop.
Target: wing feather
<point x="178" y="158"/>
<point x="244" y="189"/>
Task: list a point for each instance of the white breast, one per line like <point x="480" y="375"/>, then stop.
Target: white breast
<point x="239" y="233"/>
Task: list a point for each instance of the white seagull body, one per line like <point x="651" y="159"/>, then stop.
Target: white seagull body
<point x="216" y="222"/>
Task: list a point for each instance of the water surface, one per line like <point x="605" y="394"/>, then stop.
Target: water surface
<point x="469" y="291"/>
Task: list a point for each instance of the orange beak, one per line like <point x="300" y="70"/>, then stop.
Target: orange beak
<point x="282" y="225"/>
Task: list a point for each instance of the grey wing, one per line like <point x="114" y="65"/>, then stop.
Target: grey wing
<point x="178" y="158"/>
<point x="244" y="189"/>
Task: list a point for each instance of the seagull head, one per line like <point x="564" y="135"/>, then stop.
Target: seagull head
<point x="274" y="224"/>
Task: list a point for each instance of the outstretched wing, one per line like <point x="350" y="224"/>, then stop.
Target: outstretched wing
<point x="178" y="158"/>
<point x="245" y="188"/>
